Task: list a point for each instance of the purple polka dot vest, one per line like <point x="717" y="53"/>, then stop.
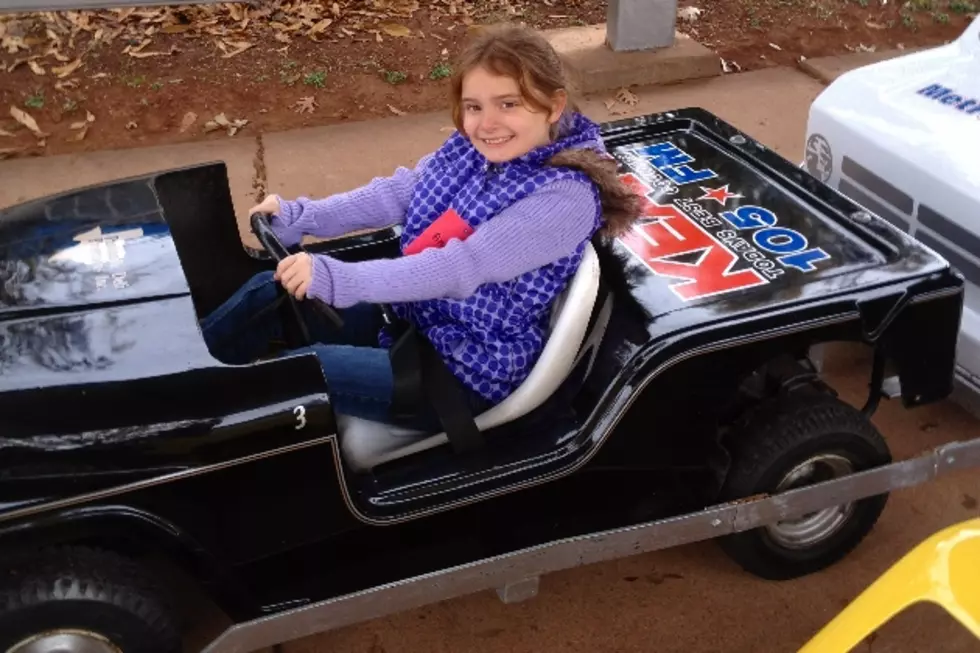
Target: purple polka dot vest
<point x="491" y="340"/>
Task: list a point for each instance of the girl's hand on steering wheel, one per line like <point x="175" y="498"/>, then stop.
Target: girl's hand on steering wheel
<point x="269" y="206"/>
<point x="295" y="272"/>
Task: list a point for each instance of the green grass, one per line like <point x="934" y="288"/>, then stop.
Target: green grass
<point x="395" y="76"/>
<point x="316" y="78"/>
<point x="441" y="71"/>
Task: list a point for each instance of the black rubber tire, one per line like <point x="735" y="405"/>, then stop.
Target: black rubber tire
<point x="85" y="589"/>
<point x="779" y="437"/>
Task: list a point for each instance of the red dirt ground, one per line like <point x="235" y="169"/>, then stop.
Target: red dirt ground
<point x="373" y="58"/>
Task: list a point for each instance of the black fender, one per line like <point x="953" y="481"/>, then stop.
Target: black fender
<point x="134" y="532"/>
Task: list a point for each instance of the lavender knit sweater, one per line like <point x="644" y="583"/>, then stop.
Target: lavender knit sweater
<point x="532" y="232"/>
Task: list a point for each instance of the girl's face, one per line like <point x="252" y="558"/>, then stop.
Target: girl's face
<point x="496" y="119"/>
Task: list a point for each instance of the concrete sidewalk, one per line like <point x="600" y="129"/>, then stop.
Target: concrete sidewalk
<point x="771" y="105"/>
<point x="321" y="160"/>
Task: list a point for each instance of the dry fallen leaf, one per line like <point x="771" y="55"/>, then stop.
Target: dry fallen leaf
<point x="626" y="96"/>
<point x="67" y="69"/>
<point x="610" y="103"/>
<point x="99" y="75"/>
<point x="690" y="14"/>
<point x="221" y="120"/>
<point x="394" y="29"/>
<point x="143" y="55"/>
<point x="129" y="49"/>
<point x="335" y="10"/>
<point x="396" y="111"/>
<point x="4" y="132"/>
<point x="874" y="25"/>
<point x="189" y="119"/>
<point x="321" y="26"/>
<point x="775" y="47"/>
<point x="175" y="29"/>
<point x="36" y="68"/>
<point x="79" y="136"/>
<point x="53" y="52"/>
<point x="12" y="44"/>
<point x="237" y="47"/>
<point x="730" y="66"/>
<point x="131" y="124"/>
<point x="25" y="119"/>
<point x="79" y="125"/>
<point x="305" y="105"/>
<point x="309" y="11"/>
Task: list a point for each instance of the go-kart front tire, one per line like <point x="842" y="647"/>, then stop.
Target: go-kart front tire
<point x="82" y="599"/>
<point x="792" y="443"/>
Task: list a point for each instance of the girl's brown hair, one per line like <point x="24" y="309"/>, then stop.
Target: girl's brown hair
<point x="527" y="57"/>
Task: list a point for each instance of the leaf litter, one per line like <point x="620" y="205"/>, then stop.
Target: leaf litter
<point x="53" y="41"/>
<point x="28" y="121"/>
<point x="305" y="105"/>
<point x="221" y="121"/>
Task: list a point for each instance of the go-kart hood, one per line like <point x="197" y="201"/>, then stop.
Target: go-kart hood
<point x="101" y="245"/>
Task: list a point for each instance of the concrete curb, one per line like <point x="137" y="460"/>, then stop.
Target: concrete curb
<point x="828" y="69"/>
<point x="594" y="66"/>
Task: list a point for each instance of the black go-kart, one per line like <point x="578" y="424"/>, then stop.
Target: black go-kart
<point x="677" y="399"/>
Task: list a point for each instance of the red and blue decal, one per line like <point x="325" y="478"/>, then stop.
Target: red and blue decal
<point x="789" y="244"/>
<point x="674" y="163"/>
<point x="705" y="253"/>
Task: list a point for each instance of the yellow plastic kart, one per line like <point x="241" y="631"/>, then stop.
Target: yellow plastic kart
<point x="944" y="569"/>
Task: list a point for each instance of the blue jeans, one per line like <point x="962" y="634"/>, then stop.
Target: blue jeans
<point x="358" y="371"/>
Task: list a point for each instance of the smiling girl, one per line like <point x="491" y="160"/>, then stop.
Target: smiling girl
<point x="522" y="186"/>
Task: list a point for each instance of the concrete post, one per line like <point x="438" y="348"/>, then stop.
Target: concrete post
<point x="640" y="24"/>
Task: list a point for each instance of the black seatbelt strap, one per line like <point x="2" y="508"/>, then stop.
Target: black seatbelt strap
<point x="447" y="396"/>
<point x="420" y="374"/>
<point x="406" y="368"/>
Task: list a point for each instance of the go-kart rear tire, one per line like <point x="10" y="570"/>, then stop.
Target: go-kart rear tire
<point x="76" y="598"/>
<point x="818" y="433"/>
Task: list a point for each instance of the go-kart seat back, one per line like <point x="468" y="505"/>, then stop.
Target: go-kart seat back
<point x="366" y="444"/>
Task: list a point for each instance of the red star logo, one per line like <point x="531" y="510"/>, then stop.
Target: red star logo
<point x="720" y="195"/>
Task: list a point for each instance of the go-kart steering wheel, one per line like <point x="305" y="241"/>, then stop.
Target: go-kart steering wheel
<point x="270" y="241"/>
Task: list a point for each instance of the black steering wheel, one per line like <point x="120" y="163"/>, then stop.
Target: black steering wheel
<point x="270" y="241"/>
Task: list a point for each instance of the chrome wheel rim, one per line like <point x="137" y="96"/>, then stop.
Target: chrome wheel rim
<point x="814" y="527"/>
<point x="65" y="641"/>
